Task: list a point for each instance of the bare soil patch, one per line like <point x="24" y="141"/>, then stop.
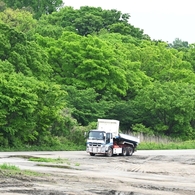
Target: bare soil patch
<point x="144" y="173"/>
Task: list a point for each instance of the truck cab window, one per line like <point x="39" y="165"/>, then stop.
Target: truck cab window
<point x="96" y="135"/>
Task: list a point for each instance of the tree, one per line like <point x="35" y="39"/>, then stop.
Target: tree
<point x="2" y="6"/>
<point x="20" y="20"/>
<point x="179" y="44"/>
<point x="89" y="20"/>
<point x="27" y="57"/>
<point x="168" y="108"/>
<point x="189" y="55"/>
<point x="28" y="108"/>
<point x="157" y="61"/>
<point x="122" y="111"/>
<point x="126" y="29"/>
<point x="85" y="62"/>
<point x="84" y="105"/>
<point x="18" y="103"/>
<point x="88" y="24"/>
<point x="127" y="52"/>
<point x="30" y="101"/>
<point x="39" y="7"/>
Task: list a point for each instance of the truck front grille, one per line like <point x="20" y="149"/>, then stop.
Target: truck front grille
<point x="95" y="144"/>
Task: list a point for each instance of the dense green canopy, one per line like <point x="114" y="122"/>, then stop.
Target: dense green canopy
<point x="37" y="7"/>
<point x="72" y="66"/>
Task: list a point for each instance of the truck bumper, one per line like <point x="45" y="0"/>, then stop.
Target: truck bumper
<point x="95" y="150"/>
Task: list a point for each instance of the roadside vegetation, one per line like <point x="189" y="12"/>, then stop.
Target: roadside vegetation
<point x="151" y="142"/>
<point x="166" y="146"/>
<point x="63" y="68"/>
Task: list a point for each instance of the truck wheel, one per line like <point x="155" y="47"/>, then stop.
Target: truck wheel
<point x="124" y="152"/>
<point x="130" y="151"/>
<point x="109" y="153"/>
<point x="92" y="154"/>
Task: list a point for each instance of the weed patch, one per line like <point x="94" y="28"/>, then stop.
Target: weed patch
<point x="166" y="146"/>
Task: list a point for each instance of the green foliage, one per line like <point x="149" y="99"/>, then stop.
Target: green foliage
<point x="126" y="50"/>
<point x="189" y="56"/>
<point x="2" y="6"/>
<point x="64" y="18"/>
<point x="85" y="62"/>
<point x="69" y="133"/>
<point x="28" y="107"/>
<point x="29" y="101"/>
<point x="64" y="124"/>
<point x="38" y="7"/>
<point x="88" y="20"/>
<point x="85" y="108"/>
<point x="46" y="30"/>
<point x="159" y="62"/>
<point x="126" y="29"/>
<point x="167" y="108"/>
<point x="139" y="128"/>
<point x="179" y="44"/>
<point x="18" y="100"/>
<point x="122" y="111"/>
<point x="20" y="20"/>
<point x="26" y="57"/>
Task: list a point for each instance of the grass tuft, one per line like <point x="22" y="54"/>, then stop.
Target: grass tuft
<point x="6" y="166"/>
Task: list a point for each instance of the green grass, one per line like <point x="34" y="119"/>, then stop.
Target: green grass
<point x="52" y="160"/>
<point x="15" y="170"/>
<point x="49" y="160"/>
<point x="6" y="166"/>
<point x="32" y="173"/>
<point x="166" y="146"/>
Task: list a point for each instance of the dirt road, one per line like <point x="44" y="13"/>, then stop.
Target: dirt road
<point x="167" y="172"/>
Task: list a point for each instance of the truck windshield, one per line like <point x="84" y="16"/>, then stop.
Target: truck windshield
<point x="98" y="135"/>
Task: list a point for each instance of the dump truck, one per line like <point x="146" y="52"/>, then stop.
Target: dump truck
<point x="107" y="140"/>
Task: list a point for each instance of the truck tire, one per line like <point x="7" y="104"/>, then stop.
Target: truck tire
<point x="109" y="153"/>
<point x="130" y="151"/>
<point x="124" y="151"/>
<point x="92" y="154"/>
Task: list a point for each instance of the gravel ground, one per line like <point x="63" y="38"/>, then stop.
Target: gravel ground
<point x="166" y="172"/>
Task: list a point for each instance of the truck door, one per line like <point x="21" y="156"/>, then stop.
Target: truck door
<point x="108" y="138"/>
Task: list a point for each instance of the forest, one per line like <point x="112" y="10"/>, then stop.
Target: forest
<point x="63" y="68"/>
